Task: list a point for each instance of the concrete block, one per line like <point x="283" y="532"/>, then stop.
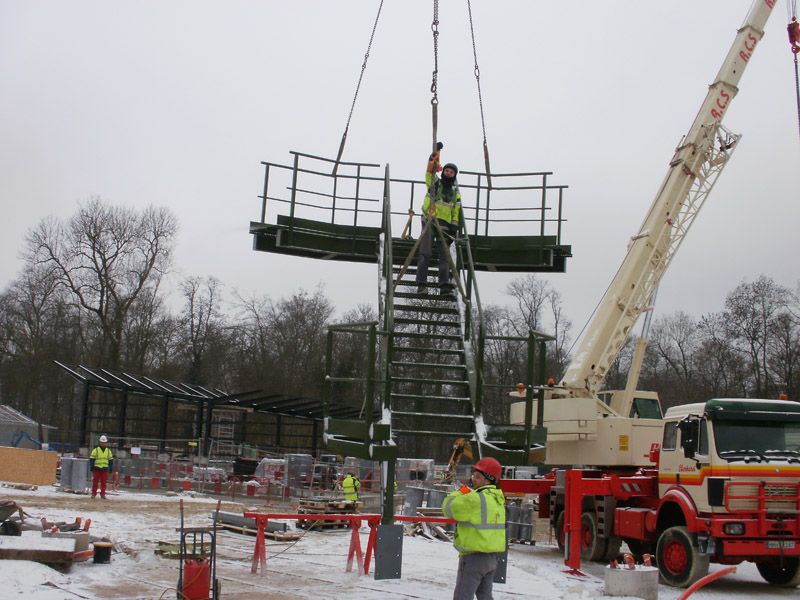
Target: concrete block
<point x="81" y="538"/>
<point x="641" y="582"/>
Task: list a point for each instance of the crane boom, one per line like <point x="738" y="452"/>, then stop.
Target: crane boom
<point x="693" y="170"/>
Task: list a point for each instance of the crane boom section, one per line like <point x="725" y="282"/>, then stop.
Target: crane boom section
<point x="697" y="163"/>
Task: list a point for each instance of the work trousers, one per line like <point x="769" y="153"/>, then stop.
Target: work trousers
<point x="99" y="476"/>
<point x="426" y="249"/>
<point x="475" y="576"/>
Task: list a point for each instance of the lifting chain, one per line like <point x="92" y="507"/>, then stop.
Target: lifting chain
<point x="480" y="98"/>
<point x="358" y="87"/>
<point x="435" y="75"/>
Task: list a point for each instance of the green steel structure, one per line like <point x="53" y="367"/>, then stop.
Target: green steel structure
<point x="418" y="380"/>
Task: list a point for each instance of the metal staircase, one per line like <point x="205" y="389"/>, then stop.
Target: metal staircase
<point x="421" y="381"/>
<point x="430" y="389"/>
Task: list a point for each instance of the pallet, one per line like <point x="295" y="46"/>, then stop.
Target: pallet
<point x="318" y="525"/>
<point x="331" y="506"/>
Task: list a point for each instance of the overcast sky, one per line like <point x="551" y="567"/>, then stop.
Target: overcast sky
<point x="176" y="103"/>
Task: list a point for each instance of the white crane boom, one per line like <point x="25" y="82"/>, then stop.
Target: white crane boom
<point x="693" y="170"/>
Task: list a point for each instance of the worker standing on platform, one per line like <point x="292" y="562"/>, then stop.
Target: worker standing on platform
<point x="443" y="203"/>
<point x="350" y="486"/>
<point x="480" y="532"/>
<point x="101" y="461"/>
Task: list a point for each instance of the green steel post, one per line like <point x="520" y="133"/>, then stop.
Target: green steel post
<point x="387" y="375"/>
<point x="328" y="365"/>
<point x="370" y="403"/>
<point x="294" y="197"/>
<point x="264" y="203"/>
<point x="479" y="378"/>
<point x="387" y="516"/>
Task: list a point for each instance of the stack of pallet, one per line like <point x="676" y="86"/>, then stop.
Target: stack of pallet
<point x="239" y="524"/>
<point x="326" y="506"/>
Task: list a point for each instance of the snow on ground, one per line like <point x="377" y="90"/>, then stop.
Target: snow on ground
<point x="313" y="568"/>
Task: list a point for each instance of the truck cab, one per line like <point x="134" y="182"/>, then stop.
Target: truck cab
<point x="729" y="479"/>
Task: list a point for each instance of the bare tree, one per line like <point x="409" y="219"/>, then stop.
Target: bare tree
<point x="107" y="257"/>
<point x="675" y="340"/>
<point x="201" y="318"/>
<point x="750" y="312"/>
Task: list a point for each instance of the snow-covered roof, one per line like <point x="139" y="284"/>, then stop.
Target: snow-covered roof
<point x="10" y="415"/>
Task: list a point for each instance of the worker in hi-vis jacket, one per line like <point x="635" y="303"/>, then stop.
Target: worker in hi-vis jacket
<point x="481" y="530"/>
<point x="101" y="461"/>
<point x="442" y="203"/>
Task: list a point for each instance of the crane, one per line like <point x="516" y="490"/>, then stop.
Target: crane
<point x="605" y="434"/>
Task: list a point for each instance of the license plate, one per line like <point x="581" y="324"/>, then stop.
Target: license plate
<point x="777" y="544"/>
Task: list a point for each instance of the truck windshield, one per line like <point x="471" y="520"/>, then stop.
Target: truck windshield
<point x="764" y="440"/>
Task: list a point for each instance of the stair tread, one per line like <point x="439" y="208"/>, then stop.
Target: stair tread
<point x="399" y="395"/>
<point x="428" y="380"/>
<point x="427" y="349"/>
<point x="426" y="414"/>
<point x="406" y="321"/>
<point x="433" y="297"/>
<point x="439" y="310"/>
<point x="414" y="334"/>
<point x="398" y="363"/>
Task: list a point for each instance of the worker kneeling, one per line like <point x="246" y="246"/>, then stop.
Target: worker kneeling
<point x="481" y="530"/>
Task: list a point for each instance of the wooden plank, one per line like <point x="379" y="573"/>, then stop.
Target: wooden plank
<point x="22" y="465"/>
<point x="32" y="546"/>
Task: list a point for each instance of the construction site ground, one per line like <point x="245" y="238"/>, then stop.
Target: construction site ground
<point x="313" y="567"/>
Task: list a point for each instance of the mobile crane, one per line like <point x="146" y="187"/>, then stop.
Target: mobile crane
<point x="710" y="482"/>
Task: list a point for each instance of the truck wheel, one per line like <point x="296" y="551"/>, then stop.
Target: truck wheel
<point x="787" y="575"/>
<point x="680" y="562"/>
<point x="559" y="526"/>
<point x="592" y="546"/>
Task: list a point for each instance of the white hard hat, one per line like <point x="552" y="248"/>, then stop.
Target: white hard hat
<point x="103" y="439"/>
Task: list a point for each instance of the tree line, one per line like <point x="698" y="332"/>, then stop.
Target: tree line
<point x="92" y="290"/>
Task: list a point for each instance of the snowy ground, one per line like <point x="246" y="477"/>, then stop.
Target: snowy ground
<point x="314" y="567"/>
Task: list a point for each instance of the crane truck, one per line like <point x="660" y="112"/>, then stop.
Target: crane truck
<point x="717" y="481"/>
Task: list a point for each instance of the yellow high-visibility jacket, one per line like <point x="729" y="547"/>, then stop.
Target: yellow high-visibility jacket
<point x="481" y="516"/>
<point x="350" y="487"/>
<point x="102" y="457"/>
<point x="447" y="202"/>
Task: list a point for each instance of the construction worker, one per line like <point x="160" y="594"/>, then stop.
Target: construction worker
<point x="101" y="461"/>
<point x="480" y="532"/>
<point x="350" y="486"/>
<point x="442" y="203"/>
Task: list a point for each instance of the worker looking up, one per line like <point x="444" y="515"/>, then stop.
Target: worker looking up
<point x="480" y="532"/>
<point x="101" y="461"/>
<point x="350" y="486"/>
<point x="443" y="203"/>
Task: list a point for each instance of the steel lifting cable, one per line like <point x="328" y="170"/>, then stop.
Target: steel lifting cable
<point x="480" y="98"/>
<point x="435" y="75"/>
<point x="358" y="87"/>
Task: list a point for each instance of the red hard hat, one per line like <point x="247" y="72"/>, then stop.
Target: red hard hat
<point x="489" y="466"/>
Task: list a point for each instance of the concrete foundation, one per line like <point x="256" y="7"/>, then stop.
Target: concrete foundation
<point x="641" y="582"/>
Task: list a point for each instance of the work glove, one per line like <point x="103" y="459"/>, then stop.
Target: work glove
<point x="439" y="146"/>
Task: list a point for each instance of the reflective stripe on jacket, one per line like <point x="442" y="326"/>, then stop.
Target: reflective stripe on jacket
<point x="447" y="202"/>
<point x="350" y="487"/>
<point x="481" y="516"/>
<point x="101" y="457"/>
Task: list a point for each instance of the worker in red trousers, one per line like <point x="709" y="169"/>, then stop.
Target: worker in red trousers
<point x="101" y="461"/>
